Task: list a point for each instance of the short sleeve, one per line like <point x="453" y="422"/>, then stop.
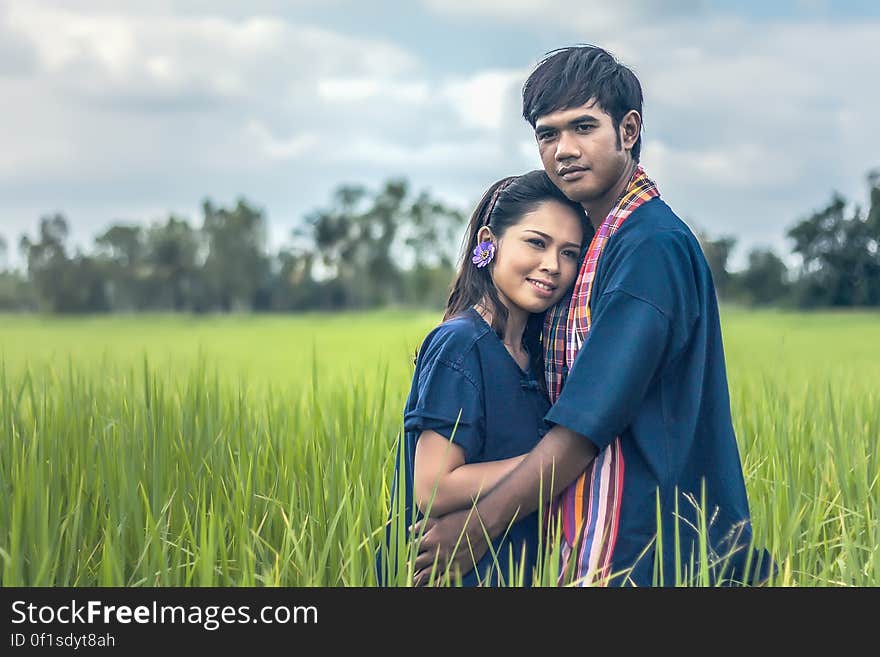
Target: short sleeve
<point x="448" y="402"/>
<point x="662" y="271"/>
<point x="613" y="369"/>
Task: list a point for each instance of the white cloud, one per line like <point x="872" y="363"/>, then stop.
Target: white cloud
<point x="349" y="89"/>
<point x="785" y="110"/>
<point x="107" y="54"/>
<point x="749" y="124"/>
<point x="280" y="149"/>
<point x="109" y="92"/>
<point x="740" y="167"/>
<point x="422" y="158"/>
<point x="619" y="15"/>
<point x="482" y="100"/>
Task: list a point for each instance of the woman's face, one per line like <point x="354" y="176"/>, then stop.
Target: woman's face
<point x="536" y="259"/>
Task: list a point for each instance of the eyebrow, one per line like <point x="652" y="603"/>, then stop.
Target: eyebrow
<point x="583" y="118"/>
<point x="547" y="237"/>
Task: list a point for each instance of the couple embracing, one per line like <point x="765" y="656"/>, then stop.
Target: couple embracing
<point x="575" y="393"/>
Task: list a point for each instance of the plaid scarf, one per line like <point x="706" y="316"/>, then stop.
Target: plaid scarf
<point x="590" y="507"/>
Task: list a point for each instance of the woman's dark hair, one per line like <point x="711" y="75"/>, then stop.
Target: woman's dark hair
<point x="569" y="77"/>
<point x="502" y="206"/>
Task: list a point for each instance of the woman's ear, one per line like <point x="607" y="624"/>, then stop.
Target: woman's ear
<point x="485" y="235"/>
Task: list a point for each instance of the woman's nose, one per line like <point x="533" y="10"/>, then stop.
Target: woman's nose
<point x="550" y="263"/>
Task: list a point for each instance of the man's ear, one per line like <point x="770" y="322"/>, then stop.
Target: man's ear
<point x="630" y="129"/>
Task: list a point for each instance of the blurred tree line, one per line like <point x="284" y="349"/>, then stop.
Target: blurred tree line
<point x="367" y="249"/>
<point x="361" y="251"/>
<point x="838" y="247"/>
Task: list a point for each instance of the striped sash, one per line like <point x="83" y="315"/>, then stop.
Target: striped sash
<point x="589" y="509"/>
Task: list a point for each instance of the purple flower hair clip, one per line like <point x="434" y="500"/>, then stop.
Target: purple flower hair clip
<point x="483" y="253"/>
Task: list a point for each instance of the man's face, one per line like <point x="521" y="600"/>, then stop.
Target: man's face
<point x="582" y="151"/>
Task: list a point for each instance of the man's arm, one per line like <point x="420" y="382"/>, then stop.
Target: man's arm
<point x="602" y="393"/>
<point x="554" y="463"/>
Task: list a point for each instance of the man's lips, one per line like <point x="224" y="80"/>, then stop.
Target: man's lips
<point x="571" y="173"/>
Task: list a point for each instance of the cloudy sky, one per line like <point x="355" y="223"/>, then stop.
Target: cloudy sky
<point x="125" y="111"/>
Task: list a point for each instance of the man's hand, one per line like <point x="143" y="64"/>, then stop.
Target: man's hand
<point x="456" y="540"/>
<point x="459" y="539"/>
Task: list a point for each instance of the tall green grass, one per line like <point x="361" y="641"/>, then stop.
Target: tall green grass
<point x="245" y="451"/>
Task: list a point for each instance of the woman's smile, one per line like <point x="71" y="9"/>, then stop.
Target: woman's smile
<point x="543" y="289"/>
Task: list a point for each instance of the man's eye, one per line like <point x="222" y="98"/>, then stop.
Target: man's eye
<point x="584" y="127"/>
<point x="545" y="136"/>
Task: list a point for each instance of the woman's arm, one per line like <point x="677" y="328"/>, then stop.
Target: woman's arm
<point x="439" y="464"/>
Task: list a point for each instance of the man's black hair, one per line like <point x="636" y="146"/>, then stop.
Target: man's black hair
<point x="569" y="77"/>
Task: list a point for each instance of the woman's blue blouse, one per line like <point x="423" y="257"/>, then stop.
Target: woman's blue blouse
<point x="468" y="387"/>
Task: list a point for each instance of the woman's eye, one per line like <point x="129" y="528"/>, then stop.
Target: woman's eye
<point x="537" y="242"/>
<point x="571" y="254"/>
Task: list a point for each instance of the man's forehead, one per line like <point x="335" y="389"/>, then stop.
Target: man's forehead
<point x="562" y="117"/>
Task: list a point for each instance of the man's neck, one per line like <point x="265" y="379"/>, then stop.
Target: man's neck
<point x="598" y="210"/>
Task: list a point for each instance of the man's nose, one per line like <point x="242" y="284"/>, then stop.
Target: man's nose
<point x="566" y="147"/>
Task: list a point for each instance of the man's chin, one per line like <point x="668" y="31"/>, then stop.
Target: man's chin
<point x="574" y="192"/>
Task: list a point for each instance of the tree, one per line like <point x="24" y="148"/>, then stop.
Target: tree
<point x="171" y="253"/>
<point x="236" y="265"/>
<point x="379" y="257"/>
<point x="434" y="235"/>
<point x="839" y="254"/>
<point x="63" y="284"/>
<point x="353" y="238"/>
<point x="47" y="263"/>
<point x="717" y="254"/>
<point x="873" y="218"/>
<point x="765" y="280"/>
<point x="15" y="292"/>
<point x="385" y="247"/>
<point x="122" y="250"/>
<point x="293" y="287"/>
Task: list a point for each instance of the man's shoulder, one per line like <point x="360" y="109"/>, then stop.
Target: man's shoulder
<point x="654" y="231"/>
<point x="655" y="221"/>
<point x="654" y="256"/>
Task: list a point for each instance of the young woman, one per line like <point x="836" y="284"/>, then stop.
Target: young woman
<point x="477" y="401"/>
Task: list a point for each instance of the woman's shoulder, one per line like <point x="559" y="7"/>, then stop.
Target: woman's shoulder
<point x="455" y="341"/>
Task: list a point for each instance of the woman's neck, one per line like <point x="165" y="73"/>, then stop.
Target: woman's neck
<point x="516" y="323"/>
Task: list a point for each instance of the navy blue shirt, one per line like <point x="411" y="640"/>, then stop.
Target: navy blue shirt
<point x="652" y="372"/>
<point x="468" y="387"/>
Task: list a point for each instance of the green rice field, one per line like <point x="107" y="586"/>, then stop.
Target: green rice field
<point x="259" y="450"/>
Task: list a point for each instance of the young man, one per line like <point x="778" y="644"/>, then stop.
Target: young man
<point x="642" y="453"/>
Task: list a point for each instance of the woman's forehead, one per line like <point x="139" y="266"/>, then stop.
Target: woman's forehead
<point x="554" y="219"/>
